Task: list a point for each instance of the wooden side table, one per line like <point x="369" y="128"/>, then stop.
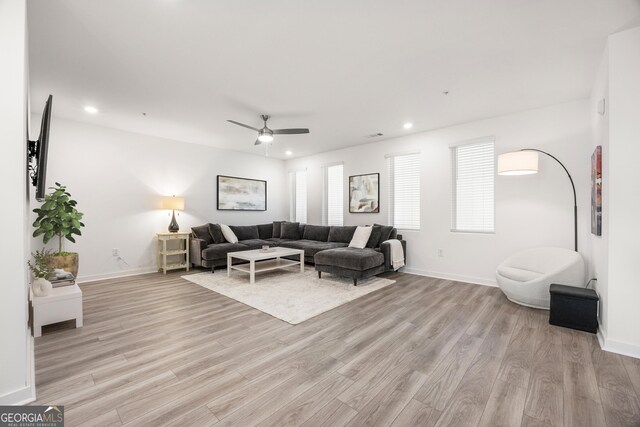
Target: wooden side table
<point x="63" y="303"/>
<point x="182" y="251"/>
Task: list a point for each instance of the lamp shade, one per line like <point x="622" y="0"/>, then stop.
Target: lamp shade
<point x="518" y="163"/>
<point x="173" y="203"/>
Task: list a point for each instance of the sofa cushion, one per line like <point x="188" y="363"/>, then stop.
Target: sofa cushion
<point x="265" y="231"/>
<point x="202" y="232"/>
<point x="277" y="228"/>
<point x="374" y="239"/>
<point x="311" y="247"/>
<point x="319" y="233"/>
<point x="216" y="233"/>
<point x="245" y="232"/>
<point x="228" y="234"/>
<point x="220" y="250"/>
<point x="276" y="240"/>
<point x="386" y="232"/>
<point x="360" y="237"/>
<point x="257" y="243"/>
<point x="342" y="234"/>
<point x="350" y="258"/>
<point x="290" y="230"/>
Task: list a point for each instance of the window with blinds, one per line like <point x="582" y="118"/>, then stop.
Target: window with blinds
<point x="298" y="200"/>
<point x="404" y="191"/>
<point x="333" y="195"/>
<point x="473" y="187"/>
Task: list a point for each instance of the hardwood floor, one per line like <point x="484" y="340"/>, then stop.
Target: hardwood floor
<point x="158" y="350"/>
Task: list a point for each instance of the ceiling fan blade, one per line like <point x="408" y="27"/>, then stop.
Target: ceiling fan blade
<point x="243" y="125"/>
<point x="290" y="131"/>
<point x="258" y="142"/>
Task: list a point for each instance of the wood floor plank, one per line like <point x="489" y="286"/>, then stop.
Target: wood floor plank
<point x="334" y="414"/>
<point x="505" y="405"/>
<point x="470" y="398"/>
<point x="545" y="392"/>
<point x="443" y="382"/>
<point x="620" y="409"/>
<point x="581" y="396"/>
<point x="416" y="413"/>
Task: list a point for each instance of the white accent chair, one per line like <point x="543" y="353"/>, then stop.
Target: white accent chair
<point x="525" y="276"/>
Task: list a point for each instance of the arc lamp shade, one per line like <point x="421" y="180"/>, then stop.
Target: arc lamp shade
<point x="518" y="163"/>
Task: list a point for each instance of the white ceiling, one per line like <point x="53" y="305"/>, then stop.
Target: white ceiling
<point x="345" y="69"/>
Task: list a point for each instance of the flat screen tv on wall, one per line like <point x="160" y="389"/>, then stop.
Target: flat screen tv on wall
<point x="38" y="153"/>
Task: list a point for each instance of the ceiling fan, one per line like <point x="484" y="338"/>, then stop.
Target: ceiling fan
<point x="265" y="135"/>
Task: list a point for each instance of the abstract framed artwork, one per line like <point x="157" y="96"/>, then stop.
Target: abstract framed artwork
<point x="241" y="194"/>
<point x="364" y="193"/>
<point x="596" y="191"/>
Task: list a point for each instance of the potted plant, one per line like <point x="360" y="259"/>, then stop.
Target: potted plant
<point x="41" y="269"/>
<point x="58" y="217"/>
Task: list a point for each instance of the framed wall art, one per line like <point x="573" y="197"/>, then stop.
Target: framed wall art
<point x="364" y="193"/>
<point x="241" y="194"/>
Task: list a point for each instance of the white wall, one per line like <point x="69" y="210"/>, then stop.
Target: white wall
<point x="534" y="210"/>
<point x="118" y="179"/>
<point x="624" y="198"/>
<point x="16" y="350"/>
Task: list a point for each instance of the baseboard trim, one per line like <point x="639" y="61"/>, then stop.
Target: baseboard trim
<point x="618" y="347"/>
<point x="447" y="276"/>
<point x="19" y="397"/>
<point x="116" y="274"/>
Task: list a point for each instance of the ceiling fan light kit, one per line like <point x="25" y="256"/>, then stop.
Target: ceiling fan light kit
<point x="265" y="135"/>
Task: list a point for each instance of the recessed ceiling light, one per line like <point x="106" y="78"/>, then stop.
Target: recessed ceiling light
<point x="407" y="125"/>
<point x="288" y="153"/>
<point x="91" y="110"/>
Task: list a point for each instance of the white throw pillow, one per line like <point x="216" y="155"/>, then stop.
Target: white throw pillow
<point x="229" y="236"/>
<point x="360" y="237"/>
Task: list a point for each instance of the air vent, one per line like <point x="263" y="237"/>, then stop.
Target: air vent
<point x="375" y="135"/>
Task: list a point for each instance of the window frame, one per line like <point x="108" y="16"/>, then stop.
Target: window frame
<point x="454" y="190"/>
<point x="325" y="192"/>
<point x="391" y="194"/>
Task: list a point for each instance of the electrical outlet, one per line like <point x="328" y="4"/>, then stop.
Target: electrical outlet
<point x="440" y="253"/>
<point x="115" y="252"/>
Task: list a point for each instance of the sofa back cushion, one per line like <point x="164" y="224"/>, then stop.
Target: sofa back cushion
<point x="290" y="230"/>
<point x="316" y="232"/>
<point x="202" y="232"/>
<point x="216" y="233"/>
<point x="386" y="232"/>
<point x="342" y="234"/>
<point x="374" y="239"/>
<point x="277" y="228"/>
<point x="265" y="231"/>
<point x="245" y="232"/>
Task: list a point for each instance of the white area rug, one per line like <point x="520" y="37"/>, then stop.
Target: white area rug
<point x="288" y="294"/>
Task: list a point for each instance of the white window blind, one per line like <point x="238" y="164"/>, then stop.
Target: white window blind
<point x="333" y="195"/>
<point x="473" y="187"/>
<point x="404" y="191"/>
<point x="298" y="196"/>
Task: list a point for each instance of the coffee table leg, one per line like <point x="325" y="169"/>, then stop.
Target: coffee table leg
<point x="302" y="262"/>
<point x="228" y="265"/>
<point x="252" y="271"/>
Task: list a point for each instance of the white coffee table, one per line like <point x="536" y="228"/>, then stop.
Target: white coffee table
<point x="264" y="261"/>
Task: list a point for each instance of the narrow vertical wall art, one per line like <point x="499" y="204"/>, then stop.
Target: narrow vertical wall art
<point x="596" y="191"/>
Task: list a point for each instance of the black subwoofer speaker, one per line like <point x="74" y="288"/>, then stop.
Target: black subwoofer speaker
<point x="575" y="308"/>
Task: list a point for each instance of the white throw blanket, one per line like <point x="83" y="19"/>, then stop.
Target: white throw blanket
<point x="397" y="254"/>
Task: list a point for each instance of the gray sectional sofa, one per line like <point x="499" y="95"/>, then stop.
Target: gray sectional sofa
<point x="324" y="246"/>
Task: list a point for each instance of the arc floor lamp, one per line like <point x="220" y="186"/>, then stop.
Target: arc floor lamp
<point x="525" y="162"/>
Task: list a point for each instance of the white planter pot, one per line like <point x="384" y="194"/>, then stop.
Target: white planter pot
<point x="41" y="287"/>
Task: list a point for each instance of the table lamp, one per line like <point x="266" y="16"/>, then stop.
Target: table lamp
<point x="175" y="204"/>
